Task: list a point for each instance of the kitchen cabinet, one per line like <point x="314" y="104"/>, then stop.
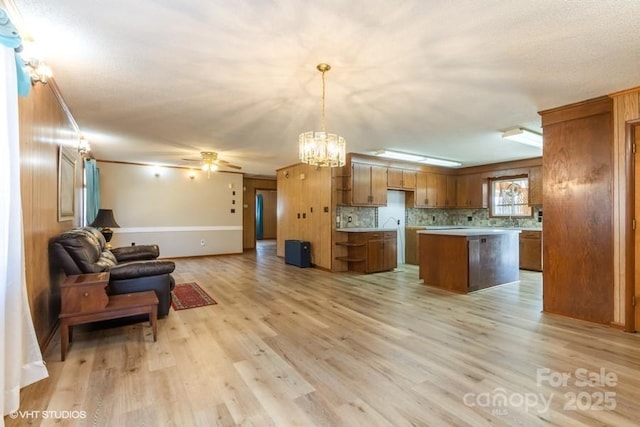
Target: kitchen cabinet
<point x="535" y="186"/>
<point x="368" y="185"/>
<point x="371" y="251"/>
<point x="468" y="260"/>
<point x="420" y="197"/>
<point x="471" y="191"/>
<point x="445" y="190"/>
<point x="401" y="179"/>
<point x="531" y="250"/>
<point x="382" y="252"/>
<point x="434" y="190"/>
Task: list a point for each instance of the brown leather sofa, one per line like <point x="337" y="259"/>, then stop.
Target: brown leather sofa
<point x="131" y="268"/>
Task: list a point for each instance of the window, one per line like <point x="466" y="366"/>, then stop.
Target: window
<point x="510" y="197"/>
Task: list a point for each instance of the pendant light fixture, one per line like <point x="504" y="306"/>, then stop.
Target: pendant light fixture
<point x="322" y="148"/>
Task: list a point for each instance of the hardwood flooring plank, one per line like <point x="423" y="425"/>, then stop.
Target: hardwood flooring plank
<point x="290" y="346"/>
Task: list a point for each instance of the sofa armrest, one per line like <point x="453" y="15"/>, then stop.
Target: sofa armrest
<point x="136" y="253"/>
<point x="131" y="270"/>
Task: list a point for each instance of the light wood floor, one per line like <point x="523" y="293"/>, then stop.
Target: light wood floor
<point x="289" y="346"/>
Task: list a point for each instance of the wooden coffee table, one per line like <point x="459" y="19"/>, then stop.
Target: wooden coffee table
<point x="85" y="300"/>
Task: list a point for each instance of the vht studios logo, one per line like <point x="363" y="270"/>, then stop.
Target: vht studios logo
<point x="499" y="400"/>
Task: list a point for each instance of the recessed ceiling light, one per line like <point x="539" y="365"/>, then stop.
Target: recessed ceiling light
<point x="523" y="136"/>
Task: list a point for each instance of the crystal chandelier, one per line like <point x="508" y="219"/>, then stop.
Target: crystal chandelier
<point x="322" y="148"/>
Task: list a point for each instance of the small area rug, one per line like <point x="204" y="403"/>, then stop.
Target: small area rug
<point x="190" y="295"/>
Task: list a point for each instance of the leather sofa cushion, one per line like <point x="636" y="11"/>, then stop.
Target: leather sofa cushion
<point x="84" y="248"/>
<point x="140" y="269"/>
<point x="106" y="260"/>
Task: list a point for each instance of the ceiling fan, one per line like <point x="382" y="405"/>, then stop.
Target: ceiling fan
<point x="210" y="162"/>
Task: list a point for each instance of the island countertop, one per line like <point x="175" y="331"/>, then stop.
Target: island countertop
<point x="470" y="231"/>
<point x="364" y="229"/>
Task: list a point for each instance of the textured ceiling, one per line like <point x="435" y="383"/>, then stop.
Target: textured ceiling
<point x="158" y="81"/>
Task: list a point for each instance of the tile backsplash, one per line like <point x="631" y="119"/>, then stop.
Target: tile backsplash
<point x="361" y="217"/>
<point x="469" y="217"/>
<point x="368" y="217"/>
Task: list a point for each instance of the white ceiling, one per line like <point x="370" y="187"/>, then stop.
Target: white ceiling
<point x="161" y="80"/>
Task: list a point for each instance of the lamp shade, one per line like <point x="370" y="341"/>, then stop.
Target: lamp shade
<point x="105" y="219"/>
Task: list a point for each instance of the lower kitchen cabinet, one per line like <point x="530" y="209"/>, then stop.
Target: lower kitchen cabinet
<point x="371" y="251"/>
<point x="531" y="250"/>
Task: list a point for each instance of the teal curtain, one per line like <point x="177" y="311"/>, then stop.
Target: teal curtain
<point x="92" y="175"/>
<point x="259" y="220"/>
<point x="10" y="38"/>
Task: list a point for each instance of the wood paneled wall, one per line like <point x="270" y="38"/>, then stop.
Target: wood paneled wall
<point x="44" y="127"/>
<point x="305" y="210"/>
<point x="578" y="210"/>
<point x="626" y="108"/>
<point x="249" y="208"/>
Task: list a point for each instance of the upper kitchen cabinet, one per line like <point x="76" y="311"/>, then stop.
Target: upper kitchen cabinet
<point x="471" y="191"/>
<point x="535" y="186"/>
<point x="401" y="179"/>
<point x="446" y="191"/>
<point x="368" y="185"/>
<point x="424" y="195"/>
<point x="433" y="190"/>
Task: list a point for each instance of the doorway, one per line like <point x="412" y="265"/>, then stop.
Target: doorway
<point x="266" y="215"/>
<point x="393" y="216"/>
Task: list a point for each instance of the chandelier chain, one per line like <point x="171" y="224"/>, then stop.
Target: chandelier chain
<point x="324" y="120"/>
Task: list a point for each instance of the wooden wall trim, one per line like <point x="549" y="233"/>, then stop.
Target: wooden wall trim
<point x="633" y="90"/>
<point x="509" y="167"/>
<point x="632" y="128"/>
<point x="578" y="110"/>
<point x="515" y="165"/>
<point x="119" y="162"/>
<point x="626" y="110"/>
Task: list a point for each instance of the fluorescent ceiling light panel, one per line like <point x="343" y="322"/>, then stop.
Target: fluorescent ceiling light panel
<point x="524" y="136"/>
<point x="440" y="162"/>
<point x="399" y="156"/>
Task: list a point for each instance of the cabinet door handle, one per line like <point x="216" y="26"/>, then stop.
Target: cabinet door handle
<point x="86" y="294"/>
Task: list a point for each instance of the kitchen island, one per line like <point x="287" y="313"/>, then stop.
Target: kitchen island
<point x="465" y="260"/>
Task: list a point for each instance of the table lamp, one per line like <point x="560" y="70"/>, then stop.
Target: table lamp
<point x="104" y="221"/>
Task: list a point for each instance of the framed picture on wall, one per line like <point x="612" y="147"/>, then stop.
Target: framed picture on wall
<point x="66" y="185"/>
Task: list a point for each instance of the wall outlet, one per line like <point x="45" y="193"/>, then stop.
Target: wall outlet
<point x="469" y="218"/>
<point x="202" y="242"/>
<point x="349" y="219"/>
